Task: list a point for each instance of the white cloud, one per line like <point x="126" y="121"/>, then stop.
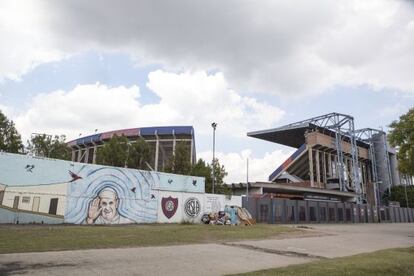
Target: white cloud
<point x="26" y="40"/>
<point x="236" y="164"/>
<point x="185" y="99"/>
<point x="80" y="110"/>
<point x="278" y="47"/>
<point x="200" y="99"/>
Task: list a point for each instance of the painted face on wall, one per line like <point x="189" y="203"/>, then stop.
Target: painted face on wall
<point x="109" y="204"/>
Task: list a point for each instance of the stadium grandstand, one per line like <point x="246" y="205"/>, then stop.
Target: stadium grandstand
<point x="162" y="141"/>
<point x="332" y="161"/>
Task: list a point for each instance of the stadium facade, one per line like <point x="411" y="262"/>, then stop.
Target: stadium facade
<point x="332" y="161"/>
<point x="162" y="141"/>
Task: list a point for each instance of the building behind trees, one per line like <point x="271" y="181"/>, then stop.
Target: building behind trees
<point x="162" y="142"/>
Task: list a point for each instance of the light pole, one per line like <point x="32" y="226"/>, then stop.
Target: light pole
<point x="214" y="125"/>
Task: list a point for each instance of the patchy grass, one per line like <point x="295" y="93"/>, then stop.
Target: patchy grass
<point x="35" y="238"/>
<point x="399" y="261"/>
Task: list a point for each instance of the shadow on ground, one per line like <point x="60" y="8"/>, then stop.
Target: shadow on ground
<point x="22" y="268"/>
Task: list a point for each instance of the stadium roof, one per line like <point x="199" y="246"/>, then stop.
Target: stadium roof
<point x="134" y="132"/>
<point x="293" y="135"/>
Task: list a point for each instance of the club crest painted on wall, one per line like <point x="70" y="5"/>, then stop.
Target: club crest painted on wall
<point x="169" y="206"/>
<point x="192" y="207"/>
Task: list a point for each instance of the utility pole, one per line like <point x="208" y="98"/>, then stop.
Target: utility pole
<point x="247" y="179"/>
<point x="214" y="125"/>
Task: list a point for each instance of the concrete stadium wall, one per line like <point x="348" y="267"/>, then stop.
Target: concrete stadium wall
<point x="267" y="210"/>
<point x="93" y="194"/>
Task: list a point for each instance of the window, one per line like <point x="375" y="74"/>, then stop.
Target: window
<point x="25" y="199"/>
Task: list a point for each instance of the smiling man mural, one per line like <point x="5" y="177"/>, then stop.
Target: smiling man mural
<point x="103" y="209"/>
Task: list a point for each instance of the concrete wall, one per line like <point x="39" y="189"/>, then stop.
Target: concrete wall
<point x="93" y="194"/>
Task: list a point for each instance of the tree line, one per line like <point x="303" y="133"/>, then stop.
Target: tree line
<point x="119" y="151"/>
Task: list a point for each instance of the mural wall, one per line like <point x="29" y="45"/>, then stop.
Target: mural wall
<point x="92" y="194"/>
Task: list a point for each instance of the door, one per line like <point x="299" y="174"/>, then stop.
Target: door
<point x="36" y="203"/>
<point x="16" y="202"/>
<point x="1" y="197"/>
<point x="53" y="206"/>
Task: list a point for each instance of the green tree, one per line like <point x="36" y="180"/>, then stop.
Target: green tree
<point x="10" y="139"/>
<point x="398" y="194"/>
<point x="203" y="169"/>
<point x="180" y="162"/>
<point x="401" y="136"/>
<point x="45" y="145"/>
<point x="139" y="154"/>
<point x="114" y="152"/>
<point x="120" y="152"/>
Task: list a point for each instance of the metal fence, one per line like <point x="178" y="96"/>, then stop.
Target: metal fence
<point x="287" y="211"/>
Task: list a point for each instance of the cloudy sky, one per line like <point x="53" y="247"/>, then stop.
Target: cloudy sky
<point x="70" y="67"/>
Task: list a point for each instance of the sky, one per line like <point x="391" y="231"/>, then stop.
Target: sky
<point x="70" y="67"/>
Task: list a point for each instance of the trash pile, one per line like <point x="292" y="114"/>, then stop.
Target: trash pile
<point x="232" y="215"/>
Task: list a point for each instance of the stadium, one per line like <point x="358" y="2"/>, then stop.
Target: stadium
<point x="162" y="141"/>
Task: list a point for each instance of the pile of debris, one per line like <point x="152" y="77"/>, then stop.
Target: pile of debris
<point x="232" y="215"/>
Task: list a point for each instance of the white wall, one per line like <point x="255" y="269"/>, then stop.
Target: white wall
<point x="197" y="204"/>
<point x="44" y="192"/>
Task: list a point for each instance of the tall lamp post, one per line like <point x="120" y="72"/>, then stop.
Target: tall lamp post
<point x="214" y="125"/>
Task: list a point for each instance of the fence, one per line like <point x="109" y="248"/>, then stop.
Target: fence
<point x="286" y="211"/>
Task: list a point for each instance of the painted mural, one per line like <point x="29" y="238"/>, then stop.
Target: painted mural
<point x="89" y="194"/>
<point x="108" y="195"/>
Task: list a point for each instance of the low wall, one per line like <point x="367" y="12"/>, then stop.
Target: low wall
<point x="286" y="211"/>
<point x="93" y="194"/>
<point x="9" y="215"/>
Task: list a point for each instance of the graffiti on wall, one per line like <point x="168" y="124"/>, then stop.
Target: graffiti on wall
<point x="108" y="195"/>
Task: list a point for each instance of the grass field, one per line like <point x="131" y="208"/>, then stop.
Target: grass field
<point x="34" y="238"/>
<point x="398" y="261"/>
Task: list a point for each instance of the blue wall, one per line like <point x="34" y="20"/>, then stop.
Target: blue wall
<point x="94" y="194"/>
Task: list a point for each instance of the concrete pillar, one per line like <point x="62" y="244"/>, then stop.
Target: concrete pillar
<point x="324" y="167"/>
<point x="330" y="165"/>
<point x="95" y="148"/>
<point x="311" y="176"/>
<point x="318" y="168"/>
